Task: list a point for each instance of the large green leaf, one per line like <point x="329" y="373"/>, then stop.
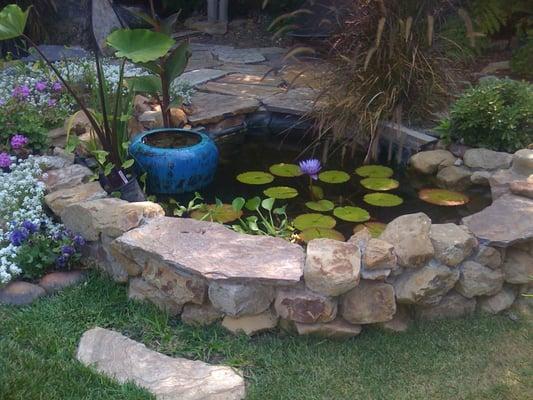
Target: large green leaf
<point x="177" y="61"/>
<point x="317" y="233"/>
<point x="285" y="170"/>
<point x="255" y="177"/>
<point x="145" y="84"/>
<point x="334" y="176"/>
<point x="443" y="197"/>
<point x="313" y="220"/>
<point x="320" y="205"/>
<point x="374" y="171"/>
<point x="281" y="192"/>
<point x="382" y="199"/>
<point x="12" y="21"/>
<point x="140" y="45"/>
<point x="351" y="214"/>
<point x="380" y="184"/>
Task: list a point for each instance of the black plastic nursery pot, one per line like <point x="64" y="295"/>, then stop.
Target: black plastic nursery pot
<point x="130" y="191"/>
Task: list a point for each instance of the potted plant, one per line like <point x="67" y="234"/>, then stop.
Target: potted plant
<point x="107" y="123"/>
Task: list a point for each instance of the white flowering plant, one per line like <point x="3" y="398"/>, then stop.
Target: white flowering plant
<point x="30" y="241"/>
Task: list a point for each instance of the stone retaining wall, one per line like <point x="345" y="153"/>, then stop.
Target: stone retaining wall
<point x="208" y="273"/>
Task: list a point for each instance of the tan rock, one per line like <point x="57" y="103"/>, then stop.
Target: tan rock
<point x="236" y="299"/>
<point x="250" y="324"/>
<point x="368" y="303"/>
<point x="489" y="256"/>
<point x="331" y="267"/>
<point x="165" y="377"/>
<point x="78" y="123"/>
<point x="522" y="188"/>
<point x="410" y="236"/>
<point x="517" y="266"/>
<point x="200" y="315"/>
<point x="178" y="118"/>
<point x="379" y="254"/>
<point x="400" y="321"/>
<point x="499" y="302"/>
<point x="454" y="178"/>
<point x="19" y="293"/>
<point x="109" y="216"/>
<point x="429" y="162"/>
<point x="452" y="305"/>
<point x="478" y="280"/>
<point x="523" y="162"/>
<point x="65" y="178"/>
<point x="302" y="305"/>
<point x="361" y="238"/>
<point x="59" y="200"/>
<point x="59" y="280"/>
<point x="141" y="290"/>
<point x="452" y="243"/>
<point x="336" y="329"/>
<point x="487" y="159"/>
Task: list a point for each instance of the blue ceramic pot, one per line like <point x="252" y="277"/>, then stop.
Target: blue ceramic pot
<point x="175" y="160"/>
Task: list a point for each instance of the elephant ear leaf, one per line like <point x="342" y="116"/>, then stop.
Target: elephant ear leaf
<point x="144" y="84"/>
<point x="177" y="61"/>
<point x="12" y="21"/>
<point x="140" y="45"/>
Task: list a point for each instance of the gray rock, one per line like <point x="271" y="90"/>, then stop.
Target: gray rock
<point x="167" y="378"/>
<point x="240" y="299"/>
<point x="480" y="178"/>
<point x="508" y="220"/>
<point x="229" y="54"/>
<point x="400" y="321"/>
<point x="202" y="75"/>
<point x="452" y="243"/>
<point x="429" y="162"/>
<point x="331" y="267"/>
<point x="60" y="199"/>
<point x="452" y="305"/>
<point x="337" y="329"/>
<point x="301" y="305"/>
<point x="47" y="163"/>
<point x="200" y="315"/>
<point x="20" y="293"/>
<point x="426" y="285"/>
<point x="375" y="274"/>
<point x="213" y="251"/>
<point x="409" y="234"/>
<point x="104" y="21"/>
<point x="454" y="178"/>
<point x="109" y="216"/>
<point x="368" y="303"/>
<point x="65" y="178"/>
<point x="487" y="159"/>
<point x="59" y="280"/>
<point x="517" y="266"/>
<point x="251" y="324"/>
<point x="500" y="182"/>
<point x="523" y="162"/>
<point x="141" y="290"/>
<point x="522" y="188"/>
<point x="361" y="238"/>
<point x="499" y="302"/>
<point x="478" y="280"/>
<point x="489" y="256"/>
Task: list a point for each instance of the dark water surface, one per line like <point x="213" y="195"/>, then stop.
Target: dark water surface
<point x="257" y="152"/>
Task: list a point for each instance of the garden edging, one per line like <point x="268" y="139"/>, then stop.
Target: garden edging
<point x="209" y="273"/>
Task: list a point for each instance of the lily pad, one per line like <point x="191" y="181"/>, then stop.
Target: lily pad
<point x="374" y="171"/>
<point x="285" y="170"/>
<point x="375" y="228"/>
<point x="255" y="177"/>
<point x="222" y="213"/>
<point x="380" y="184"/>
<point x="443" y="197"/>
<point x="334" y="176"/>
<point x="351" y="214"/>
<point x="382" y="199"/>
<point x="320" y="205"/>
<point x="313" y="220"/>
<point x="318" y="233"/>
<point x="281" y="192"/>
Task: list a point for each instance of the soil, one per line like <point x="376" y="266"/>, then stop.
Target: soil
<point x="171" y="140"/>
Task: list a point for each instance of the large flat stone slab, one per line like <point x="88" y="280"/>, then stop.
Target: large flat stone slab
<point x="240" y="56"/>
<point x="209" y="108"/>
<point x="251" y="79"/>
<point x="202" y="75"/>
<point x="201" y="59"/>
<point x="251" y="69"/>
<point x="299" y="101"/>
<point x="213" y="251"/>
<point x="508" y="220"/>
<point x="167" y="378"/>
<point x="235" y="89"/>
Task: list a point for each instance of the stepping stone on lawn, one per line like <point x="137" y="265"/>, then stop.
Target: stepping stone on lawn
<point x="59" y="280"/>
<point x="20" y="293"/>
<point x="167" y="378"/>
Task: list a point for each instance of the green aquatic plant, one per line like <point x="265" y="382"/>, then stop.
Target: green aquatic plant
<point x="255" y="178"/>
<point x="351" y="214"/>
<point x="380" y="184"/>
<point x="218" y="212"/>
<point x="314" y="220"/>
<point x="285" y="170"/>
<point x="382" y="199"/>
<point x="174" y="208"/>
<point x="320" y="205"/>
<point x="443" y="197"/>
<point x="320" y="233"/>
<point x="334" y="177"/>
<point x="267" y="220"/>
<point x="374" y="171"/>
<point x="281" y="192"/>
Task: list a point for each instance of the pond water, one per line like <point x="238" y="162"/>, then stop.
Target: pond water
<point x="257" y="151"/>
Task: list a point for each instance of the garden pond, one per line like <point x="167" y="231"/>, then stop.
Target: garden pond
<point x="250" y="158"/>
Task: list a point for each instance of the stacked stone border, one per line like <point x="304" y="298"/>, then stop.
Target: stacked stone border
<point x="207" y="273"/>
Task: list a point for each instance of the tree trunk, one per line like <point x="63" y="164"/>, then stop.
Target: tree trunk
<point x="212" y="11"/>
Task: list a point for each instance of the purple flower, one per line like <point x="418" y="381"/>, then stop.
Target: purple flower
<point x="61" y="261"/>
<point x="30" y="226"/>
<point x="310" y="167"/>
<point x="51" y="102"/>
<point x="40" y="86"/>
<point x="5" y="160"/>
<point x="78" y="240"/>
<point x="57" y="86"/>
<point x="21" y="92"/>
<point x="67" y="250"/>
<point x="19" y="141"/>
<point x="18" y="236"/>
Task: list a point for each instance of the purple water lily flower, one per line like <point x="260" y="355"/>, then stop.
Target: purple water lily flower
<point x="21" y="92"/>
<point x="310" y="167"/>
<point x="57" y="86"/>
<point x="40" y="86"/>
<point x="18" y="236"/>
<point x="5" y="160"/>
<point x="19" y="141"/>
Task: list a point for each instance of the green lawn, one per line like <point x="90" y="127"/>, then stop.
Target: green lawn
<point x="478" y="358"/>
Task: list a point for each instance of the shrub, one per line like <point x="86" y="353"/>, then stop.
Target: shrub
<point x="454" y="41"/>
<point x="496" y="114"/>
<point x="522" y="60"/>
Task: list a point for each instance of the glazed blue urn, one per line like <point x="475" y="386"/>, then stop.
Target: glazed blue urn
<point x="175" y="160"/>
